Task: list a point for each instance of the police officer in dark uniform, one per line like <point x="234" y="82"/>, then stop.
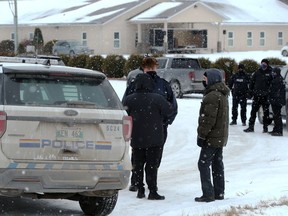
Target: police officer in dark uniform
<point x="277" y="99"/>
<point x="239" y="84"/>
<point x="259" y="89"/>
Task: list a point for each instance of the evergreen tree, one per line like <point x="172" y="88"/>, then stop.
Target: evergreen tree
<point x="38" y="40"/>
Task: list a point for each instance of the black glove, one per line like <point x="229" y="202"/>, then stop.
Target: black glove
<point x="201" y="142"/>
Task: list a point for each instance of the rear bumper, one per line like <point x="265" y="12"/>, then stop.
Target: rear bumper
<point x="64" y="180"/>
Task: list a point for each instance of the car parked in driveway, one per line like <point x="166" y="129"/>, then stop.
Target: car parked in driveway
<point x="64" y="135"/>
<point x="284" y="50"/>
<point x="70" y="47"/>
<point x="284" y="110"/>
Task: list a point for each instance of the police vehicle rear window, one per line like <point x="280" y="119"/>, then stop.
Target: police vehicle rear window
<point x="41" y="90"/>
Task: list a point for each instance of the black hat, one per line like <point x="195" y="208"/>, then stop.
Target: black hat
<point x="266" y="61"/>
<point x="241" y="66"/>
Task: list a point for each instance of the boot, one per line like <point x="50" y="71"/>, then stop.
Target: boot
<point x="133" y="188"/>
<point x="249" y="129"/>
<point x="233" y="122"/>
<point x="204" y="199"/>
<point x="141" y="193"/>
<point x="265" y="129"/>
<point x="153" y="195"/>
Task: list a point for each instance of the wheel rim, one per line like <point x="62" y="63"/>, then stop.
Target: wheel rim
<point x="176" y="89"/>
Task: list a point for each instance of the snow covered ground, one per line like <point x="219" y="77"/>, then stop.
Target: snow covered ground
<point x="256" y="165"/>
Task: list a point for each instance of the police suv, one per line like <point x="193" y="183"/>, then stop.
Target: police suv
<point x="63" y="134"/>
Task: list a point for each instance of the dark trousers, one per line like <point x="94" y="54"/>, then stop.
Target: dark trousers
<point x="210" y="156"/>
<point x="146" y="159"/>
<point x="277" y="118"/>
<point x="133" y="177"/>
<point x="243" y="105"/>
<point x="257" y="102"/>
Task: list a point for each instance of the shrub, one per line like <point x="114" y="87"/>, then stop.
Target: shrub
<point x="113" y="66"/>
<point x="133" y="62"/>
<point x="78" y="61"/>
<point x="205" y="62"/>
<point x="95" y="63"/>
<point x="65" y="59"/>
<point x="48" y="47"/>
<point x="7" y="47"/>
<point x="250" y="65"/>
<point x="276" y="61"/>
<point x="227" y="64"/>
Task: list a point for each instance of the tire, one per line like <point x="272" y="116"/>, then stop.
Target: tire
<point x="176" y="88"/>
<point x="98" y="206"/>
<point x="285" y="53"/>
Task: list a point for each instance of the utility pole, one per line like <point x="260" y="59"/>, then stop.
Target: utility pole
<point x="16" y="27"/>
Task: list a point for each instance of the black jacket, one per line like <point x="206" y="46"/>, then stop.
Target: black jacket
<point x="260" y="82"/>
<point x="162" y="87"/>
<point x="148" y="110"/>
<point x="277" y="94"/>
<point x="239" y="84"/>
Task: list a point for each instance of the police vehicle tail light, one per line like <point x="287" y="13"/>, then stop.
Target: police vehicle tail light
<point x="3" y="123"/>
<point x="127" y="127"/>
<point x="192" y="75"/>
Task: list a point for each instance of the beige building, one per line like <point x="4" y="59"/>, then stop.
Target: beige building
<point x="139" y="26"/>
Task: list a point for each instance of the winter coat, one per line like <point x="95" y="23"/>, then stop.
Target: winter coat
<point x="148" y="111"/>
<point x="260" y="82"/>
<point x="214" y="115"/>
<point x="239" y="84"/>
<point x="162" y="87"/>
<point x="277" y="93"/>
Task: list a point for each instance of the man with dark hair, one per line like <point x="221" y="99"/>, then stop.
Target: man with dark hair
<point x="213" y="123"/>
<point x="239" y="84"/>
<point x="259" y="89"/>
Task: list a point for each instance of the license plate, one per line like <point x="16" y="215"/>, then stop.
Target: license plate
<point x="69" y="134"/>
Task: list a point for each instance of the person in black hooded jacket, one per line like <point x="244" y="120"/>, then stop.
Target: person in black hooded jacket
<point x="148" y="111"/>
<point x="259" y="88"/>
<point x="161" y="87"/>
<point x="277" y="97"/>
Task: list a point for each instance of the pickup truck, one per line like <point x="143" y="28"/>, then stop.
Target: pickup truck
<point x="184" y="74"/>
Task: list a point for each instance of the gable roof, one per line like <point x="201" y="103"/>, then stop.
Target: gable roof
<point x="64" y="11"/>
<point x="231" y="11"/>
<point x="41" y="12"/>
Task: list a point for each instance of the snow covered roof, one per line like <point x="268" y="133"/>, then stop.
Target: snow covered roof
<point x="101" y="11"/>
<point x="232" y="11"/>
<point x="64" y="11"/>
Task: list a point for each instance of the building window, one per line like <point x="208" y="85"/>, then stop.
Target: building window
<point x="230" y="39"/>
<point x="262" y="39"/>
<point x="31" y="36"/>
<point x="116" y="40"/>
<point x="84" y="38"/>
<point x="13" y="36"/>
<point x="249" y="39"/>
<point x="280" y="39"/>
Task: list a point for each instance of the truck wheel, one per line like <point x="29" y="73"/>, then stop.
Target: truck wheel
<point x="98" y="206"/>
<point x="176" y="88"/>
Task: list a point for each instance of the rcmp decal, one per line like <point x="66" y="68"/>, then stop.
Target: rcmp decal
<point x="62" y="144"/>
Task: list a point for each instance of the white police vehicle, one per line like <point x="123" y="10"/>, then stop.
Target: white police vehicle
<point x="63" y="134"/>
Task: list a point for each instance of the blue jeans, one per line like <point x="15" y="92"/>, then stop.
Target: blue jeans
<point x="210" y="156"/>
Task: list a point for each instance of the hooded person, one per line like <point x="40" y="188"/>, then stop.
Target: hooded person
<point x="259" y="88"/>
<point x="277" y="99"/>
<point x="212" y="133"/>
<point x="161" y="87"/>
<point x="148" y="111"/>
